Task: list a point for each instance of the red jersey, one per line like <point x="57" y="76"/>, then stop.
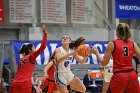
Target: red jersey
<point x="51" y="70"/>
<point x="26" y="64"/>
<point x="25" y="69"/>
<point x="122" y="55"/>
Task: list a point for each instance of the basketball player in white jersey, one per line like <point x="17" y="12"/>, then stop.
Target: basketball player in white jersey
<point x="107" y="73"/>
<point x="63" y="74"/>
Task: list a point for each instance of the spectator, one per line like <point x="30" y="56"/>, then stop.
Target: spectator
<point x="35" y="83"/>
<point x="88" y="82"/>
<point x="87" y="79"/>
<point x="2" y="86"/>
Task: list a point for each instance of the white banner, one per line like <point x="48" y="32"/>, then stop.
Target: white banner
<point x="82" y="11"/>
<point x="22" y="11"/>
<point x="53" y="11"/>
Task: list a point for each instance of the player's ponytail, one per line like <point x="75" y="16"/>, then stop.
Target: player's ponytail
<point x="123" y="31"/>
<point x="127" y="33"/>
<point x="72" y="46"/>
<point x="77" y="43"/>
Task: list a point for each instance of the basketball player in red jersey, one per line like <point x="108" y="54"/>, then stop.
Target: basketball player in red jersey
<point x="124" y="79"/>
<point x="22" y="80"/>
<point x="50" y="83"/>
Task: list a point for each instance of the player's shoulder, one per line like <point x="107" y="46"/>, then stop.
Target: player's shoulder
<point x="58" y="48"/>
<point x="111" y="43"/>
<point x="110" y="46"/>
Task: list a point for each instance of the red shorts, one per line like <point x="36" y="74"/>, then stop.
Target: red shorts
<point x="20" y="88"/>
<point x="52" y="86"/>
<point x="139" y="89"/>
<point x="124" y="82"/>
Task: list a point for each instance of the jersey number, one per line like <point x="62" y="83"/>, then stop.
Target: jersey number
<point x="125" y="53"/>
<point x="109" y="71"/>
<point x="66" y="63"/>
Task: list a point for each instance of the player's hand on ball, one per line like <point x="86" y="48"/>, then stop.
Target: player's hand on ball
<point x="94" y="50"/>
<point x="73" y="52"/>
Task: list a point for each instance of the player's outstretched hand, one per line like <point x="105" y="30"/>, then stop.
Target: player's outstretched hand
<point x="44" y="28"/>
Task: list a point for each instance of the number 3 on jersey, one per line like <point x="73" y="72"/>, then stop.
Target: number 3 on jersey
<point x="126" y="51"/>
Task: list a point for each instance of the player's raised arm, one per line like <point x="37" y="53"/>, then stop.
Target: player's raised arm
<point x="43" y="44"/>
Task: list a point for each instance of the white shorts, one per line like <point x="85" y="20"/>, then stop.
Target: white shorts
<point x="107" y="78"/>
<point x="63" y="78"/>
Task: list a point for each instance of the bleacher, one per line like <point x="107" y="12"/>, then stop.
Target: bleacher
<point x="78" y="69"/>
<point x="81" y="69"/>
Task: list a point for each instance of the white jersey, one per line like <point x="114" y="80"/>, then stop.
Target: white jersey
<point x="65" y="65"/>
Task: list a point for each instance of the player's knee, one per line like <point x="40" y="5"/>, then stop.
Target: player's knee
<point x="83" y="89"/>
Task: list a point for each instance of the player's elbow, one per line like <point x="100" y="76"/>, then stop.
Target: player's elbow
<point x="104" y="63"/>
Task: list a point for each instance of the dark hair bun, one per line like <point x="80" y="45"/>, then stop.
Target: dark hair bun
<point x="25" y="48"/>
<point x="21" y="51"/>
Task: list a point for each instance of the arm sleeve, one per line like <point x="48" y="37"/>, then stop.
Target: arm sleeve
<point x="41" y="49"/>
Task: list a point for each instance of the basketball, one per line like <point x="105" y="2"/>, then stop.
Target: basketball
<point x="83" y="50"/>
